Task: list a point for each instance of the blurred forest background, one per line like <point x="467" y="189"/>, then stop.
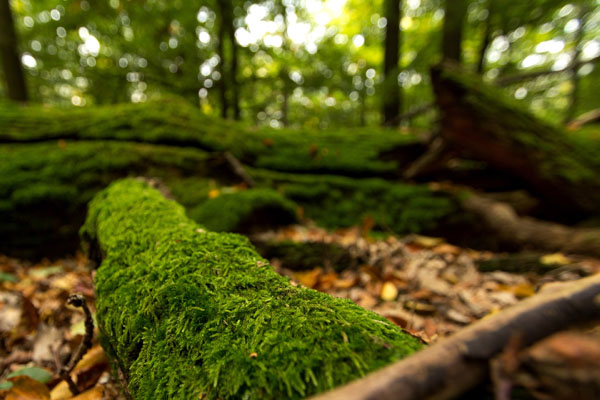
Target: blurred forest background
<point x="300" y="63"/>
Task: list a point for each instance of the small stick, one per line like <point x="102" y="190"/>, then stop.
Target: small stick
<point x="77" y="300"/>
<point x="239" y="169"/>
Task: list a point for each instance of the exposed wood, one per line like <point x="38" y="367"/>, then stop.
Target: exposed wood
<point x="437" y="153"/>
<point x="480" y="120"/>
<point x="589" y="117"/>
<point x="530" y="232"/>
<point x="458" y="363"/>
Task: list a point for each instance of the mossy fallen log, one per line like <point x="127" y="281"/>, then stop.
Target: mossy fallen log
<point x="44" y="188"/>
<point x="172" y="121"/>
<point x="187" y="313"/>
<point x="480" y="121"/>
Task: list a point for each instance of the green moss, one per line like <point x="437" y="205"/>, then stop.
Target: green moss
<point x="175" y="122"/>
<point x="335" y="201"/>
<point x="188" y="313"/>
<point x="45" y="186"/>
<point x="235" y="212"/>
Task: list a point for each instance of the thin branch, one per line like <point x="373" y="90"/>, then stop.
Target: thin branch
<point x="457" y="364"/>
<point x="512" y="79"/>
<point x="77" y="300"/>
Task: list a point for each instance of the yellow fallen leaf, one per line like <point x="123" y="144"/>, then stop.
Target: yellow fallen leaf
<point x="555" y="259"/>
<point x="427" y="241"/>
<point x="61" y="392"/>
<point x="213" y="193"/>
<point x="389" y="291"/>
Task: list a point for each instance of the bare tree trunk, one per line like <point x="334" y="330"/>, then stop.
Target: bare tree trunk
<point x="14" y="78"/>
<point x="392" y="100"/>
<point x="487" y="38"/>
<point x="572" y="108"/>
<point x="222" y="35"/>
<point x="235" y="89"/>
<point x="455" y="11"/>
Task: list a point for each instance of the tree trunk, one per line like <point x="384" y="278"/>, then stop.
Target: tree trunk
<point x="14" y="78"/>
<point x="392" y="100"/>
<point x="578" y="38"/>
<point x="487" y="37"/>
<point x="479" y="120"/>
<point x="455" y="11"/>
<point x="222" y="52"/>
<point x="235" y="88"/>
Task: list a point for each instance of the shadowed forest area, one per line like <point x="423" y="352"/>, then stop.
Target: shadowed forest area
<point x="334" y="199"/>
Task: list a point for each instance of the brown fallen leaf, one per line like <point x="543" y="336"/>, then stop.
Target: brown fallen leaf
<point x="95" y="393"/>
<point x="26" y="388"/>
<point x="308" y="278"/>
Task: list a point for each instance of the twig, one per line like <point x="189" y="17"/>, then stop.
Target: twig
<point x="77" y="300"/>
<point x="239" y="169"/>
<point x="454" y="365"/>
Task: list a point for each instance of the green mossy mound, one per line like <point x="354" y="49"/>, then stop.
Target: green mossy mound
<point x="192" y="314"/>
<point x="337" y="201"/>
<point x="244" y="211"/>
<point x="172" y="121"/>
<point x="45" y="187"/>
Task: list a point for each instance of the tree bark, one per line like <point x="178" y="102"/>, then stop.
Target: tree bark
<point x="487" y="37"/>
<point x="578" y="38"/>
<point x="224" y="5"/>
<point x="14" y="78"/>
<point x="455" y="11"/>
<point x="482" y="122"/>
<point x="392" y="101"/>
<point x="454" y="365"/>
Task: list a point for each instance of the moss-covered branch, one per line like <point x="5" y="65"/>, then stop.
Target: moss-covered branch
<point x="192" y="314"/>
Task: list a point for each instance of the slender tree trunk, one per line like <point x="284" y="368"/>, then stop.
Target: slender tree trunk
<point x="235" y="89"/>
<point x="392" y="100"/>
<point x="573" y="67"/>
<point x="455" y="11"/>
<point x="221" y="51"/>
<point x="11" y="64"/>
<point x="487" y="38"/>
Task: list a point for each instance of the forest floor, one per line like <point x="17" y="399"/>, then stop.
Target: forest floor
<point x="425" y="285"/>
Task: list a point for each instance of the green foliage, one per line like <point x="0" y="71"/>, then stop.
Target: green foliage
<point x="233" y="212"/>
<point x="189" y="313"/>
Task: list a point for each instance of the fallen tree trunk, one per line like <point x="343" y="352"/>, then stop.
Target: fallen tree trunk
<point x="44" y="188"/>
<point x="530" y="232"/>
<point x="456" y="364"/>
<point x="173" y="122"/>
<point x="478" y="120"/>
<point x="187" y="313"/>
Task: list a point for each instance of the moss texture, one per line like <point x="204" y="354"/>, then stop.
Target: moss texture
<point x="244" y="211"/>
<point x="173" y="121"/>
<point x="44" y="188"/>
<point x="336" y="201"/>
<point x="193" y="314"/>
